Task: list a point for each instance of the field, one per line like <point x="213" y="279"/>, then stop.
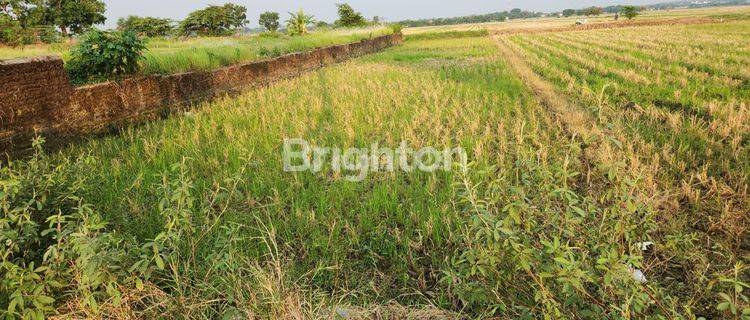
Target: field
<point x="546" y="23"/>
<point x="167" y="56"/>
<point x="608" y="188"/>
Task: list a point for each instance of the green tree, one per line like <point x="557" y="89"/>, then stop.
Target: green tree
<point x="297" y="23"/>
<point x="569" y="12"/>
<point x="348" y="17"/>
<point x="270" y="21"/>
<point x="27" y="13"/>
<point x="631" y="12"/>
<point x="593" y="11"/>
<point x="74" y="16"/>
<point x="215" y="20"/>
<point x="146" y="26"/>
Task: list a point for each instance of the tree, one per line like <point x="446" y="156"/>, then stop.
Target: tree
<point x="215" y="20"/>
<point x="593" y="11"/>
<point x="297" y="23"/>
<point x="270" y="21"/>
<point x="631" y="12"/>
<point x="348" y="17"/>
<point x="74" y="16"/>
<point x="569" y="12"/>
<point x="146" y="26"/>
<point x="25" y="22"/>
<point x="27" y="13"/>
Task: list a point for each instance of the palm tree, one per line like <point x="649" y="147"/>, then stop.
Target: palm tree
<point x="297" y="23"/>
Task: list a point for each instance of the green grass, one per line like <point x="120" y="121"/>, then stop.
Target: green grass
<point x="167" y="56"/>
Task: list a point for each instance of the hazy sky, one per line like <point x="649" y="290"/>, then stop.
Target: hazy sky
<point x="325" y="10"/>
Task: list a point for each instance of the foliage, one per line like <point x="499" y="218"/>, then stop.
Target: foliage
<point x="270" y="21"/>
<point x="58" y="254"/>
<point x="631" y="12"/>
<point x="396" y="27"/>
<point x="322" y="25"/>
<point x="297" y="23"/>
<point x="593" y="11"/>
<point x="51" y="240"/>
<point x="74" y="16"/>
<point x="215" y="21"/>
<point x="569" y="12"/>
<point x="9" y="31"/>
<point x="146" y="26"/>
<point x="21" y="24"/>
<point x="491" y="17"/>
<point x="348" y="17"/>
<point x="105" y="55"/>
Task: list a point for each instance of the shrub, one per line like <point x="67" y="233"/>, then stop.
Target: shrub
<point x="105" y="55"/>
<point x="396" y="28"/>
<point x="146" y="26"/>
<point x="269" y="53"/>
<point x="297" y="23"/>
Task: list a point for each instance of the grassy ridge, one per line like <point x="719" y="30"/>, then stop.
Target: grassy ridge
<point x="167" y="56"/>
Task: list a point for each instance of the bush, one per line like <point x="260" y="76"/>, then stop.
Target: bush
<point x="396" y="28"/>
<point x="49" y="34"/>
<point x="105" y="55"/>
<point x="146" y="26"/>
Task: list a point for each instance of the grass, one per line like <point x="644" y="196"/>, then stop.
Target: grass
<point x="167" y="56"/>
<point x="679" y="95"/>
<point x="202" y="222"/>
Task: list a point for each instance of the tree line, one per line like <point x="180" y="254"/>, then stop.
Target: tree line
<point x="627" y="11"/>
<point x="32" y="21"/>
<point x="490" y="17"/>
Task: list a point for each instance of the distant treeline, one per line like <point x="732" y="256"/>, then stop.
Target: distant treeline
<point x="490" y="17"/>
<point x="590" y="11"/>
<point x="699" y="4"/>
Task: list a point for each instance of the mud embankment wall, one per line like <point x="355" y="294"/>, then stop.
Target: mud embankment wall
<point x="37" y="98"/>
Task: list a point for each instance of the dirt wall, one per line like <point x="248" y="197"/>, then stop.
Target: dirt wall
<point x="36" y="96"/>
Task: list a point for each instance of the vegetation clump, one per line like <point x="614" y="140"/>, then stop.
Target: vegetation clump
<point x="146" y="26"/>
<point x="270" y="21"/>
<point x="215" y="21"/>
<point x="348" y="17"/>
<point x="105" y="55"/>
<point x="631" y="12"/>
<point x="298" y="22"/>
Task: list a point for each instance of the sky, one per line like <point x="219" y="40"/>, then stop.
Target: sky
<point x="325" y="10"/>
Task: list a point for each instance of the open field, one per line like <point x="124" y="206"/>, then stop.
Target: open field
<point x="166" y="56"/>
<point x="540" y="24"/>
<point x="583" y="172"/>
